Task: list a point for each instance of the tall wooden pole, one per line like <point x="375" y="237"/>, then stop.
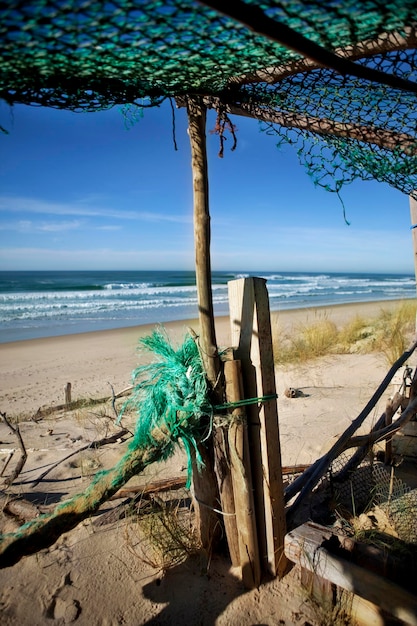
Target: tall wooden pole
<point x="215" y="484"/>
<point x="206" y="493"/>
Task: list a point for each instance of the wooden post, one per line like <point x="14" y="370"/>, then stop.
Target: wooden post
<point x="68" y="393"/>
<point x="206" y="491"/>
<point x="413" y="213"/>
<point x="245" y="520"/>
<point x="252" y="337"/>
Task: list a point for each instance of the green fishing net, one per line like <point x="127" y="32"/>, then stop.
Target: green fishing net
<point x="87" y="55"/>
<point x="170" y="397"/>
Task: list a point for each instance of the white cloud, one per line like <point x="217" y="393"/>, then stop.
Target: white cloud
<point x="94" y="259"/>
<point x="31" y="227"/>
<point x="19" y="204"/>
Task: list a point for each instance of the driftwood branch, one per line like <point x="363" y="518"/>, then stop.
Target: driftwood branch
<point x="75" y="404"/>
<point x="390" y="428"/>
<point x="113" y="401"/>
<point x="93" y="444"/>
<point x="19" y="466"/>
<point x="384" y="433"/>
<point x="311" y="477"/>
<point x="256" y="20"/>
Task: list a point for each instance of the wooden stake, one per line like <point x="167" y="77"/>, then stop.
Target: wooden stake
<point x="68" y="393"/>
<point x="251" y="333"/>
<point x="240" y="467"/>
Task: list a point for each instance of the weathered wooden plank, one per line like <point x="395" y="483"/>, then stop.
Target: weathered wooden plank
<point x="252" y="339"/>
<point x="242" y="480"/>
<point x="306" y="546"/>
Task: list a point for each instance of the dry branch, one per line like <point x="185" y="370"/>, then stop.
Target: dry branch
<point x="393" y="404"/>
<point x="92" y="445"/>
<point x="390" y="428"/>
<point x="384" y="433"/>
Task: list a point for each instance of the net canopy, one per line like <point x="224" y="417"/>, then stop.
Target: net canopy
<point x="336" y="78"/>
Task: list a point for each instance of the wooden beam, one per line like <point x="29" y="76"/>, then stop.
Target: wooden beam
<point x="325" y="127"/>
<point x="386" y="42"/>
<point x="254" y="18"/>
<point x="367" y="134"/>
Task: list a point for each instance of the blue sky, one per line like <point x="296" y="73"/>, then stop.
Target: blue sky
<point x="81" y="191"/>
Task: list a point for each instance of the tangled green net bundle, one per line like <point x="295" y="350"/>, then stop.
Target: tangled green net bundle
<point x="170" y="397"/>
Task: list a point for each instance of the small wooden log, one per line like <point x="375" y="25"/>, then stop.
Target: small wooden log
<point x="242" y="481"/>
<point x="251" y="335"/>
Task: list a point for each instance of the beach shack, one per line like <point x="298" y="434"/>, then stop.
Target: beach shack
<point x="338" y="81"/>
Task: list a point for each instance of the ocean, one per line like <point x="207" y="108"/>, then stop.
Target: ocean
<point x="44" y="304"/>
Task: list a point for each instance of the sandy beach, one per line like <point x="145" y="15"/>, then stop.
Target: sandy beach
<point x="34" y="373"/>
<point x="95" y="575"/>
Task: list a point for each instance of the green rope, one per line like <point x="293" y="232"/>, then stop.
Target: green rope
<point x="245" y="402"/>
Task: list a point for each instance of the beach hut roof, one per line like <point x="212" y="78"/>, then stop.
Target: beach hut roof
<point x="336" y="78"/>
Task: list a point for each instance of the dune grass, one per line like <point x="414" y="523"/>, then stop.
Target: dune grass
<point x="388" y="333"/>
